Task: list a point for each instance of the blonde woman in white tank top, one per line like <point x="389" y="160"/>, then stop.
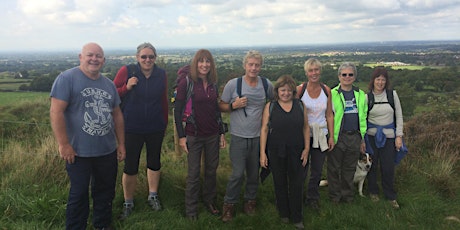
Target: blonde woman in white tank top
<point x="316" y="97"/>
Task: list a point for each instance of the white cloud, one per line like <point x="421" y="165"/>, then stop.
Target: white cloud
<point x="122" y="23"/>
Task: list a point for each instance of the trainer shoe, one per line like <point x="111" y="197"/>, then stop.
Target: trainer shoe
<point x="394" y="204"/>
<point x="154" y="202"/>
<point x="127" y="209"/>
<point x="299" y="225"/>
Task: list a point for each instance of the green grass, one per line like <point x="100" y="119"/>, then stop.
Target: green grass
<point x="34" y="186"/>
<point x="11" y="98"/>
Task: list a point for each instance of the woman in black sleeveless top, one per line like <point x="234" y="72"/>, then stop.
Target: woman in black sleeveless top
<point x="285" y="134"/>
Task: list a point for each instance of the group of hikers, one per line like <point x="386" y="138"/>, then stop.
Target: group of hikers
<point x="283" y="128"/>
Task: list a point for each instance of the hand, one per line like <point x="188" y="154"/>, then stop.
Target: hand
<point x="121" y="152"/>
<point x="240" y="102"/>
<point x="67" y="153"/>
<point x="398" y="143"/>
<point x="223" y="142"/>
<point x="183" y="144"/>
<point x="131" y="83"/>
<point x="331" y="143"/>
<point x="263" y="160"/>
<point x="363" y="147"/>
<point x="304" y="156"/>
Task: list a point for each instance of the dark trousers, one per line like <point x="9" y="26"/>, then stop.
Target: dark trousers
<point x="134" y="144"/>
<point x="383" y="158"/>
<point x="341" y="167"/>
<point x="209" y="146"/>
<point x="288" y="178"/>
<point x="317" y="159"/>
<point x="102" y="173"/>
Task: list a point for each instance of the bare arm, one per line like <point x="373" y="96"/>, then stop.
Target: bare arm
<point x="263" y="137"/>
<point x="306" y="137"/>
<point x="240" y="102"/>
<point x="58" y="125"/>
<point x="330" y="120"/>
<point x="119" y="132"/>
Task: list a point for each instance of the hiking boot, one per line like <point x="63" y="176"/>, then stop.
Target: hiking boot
<point x="250" y="207"/>
<point x="127" y="209"/>
<point x="227" y="212"/>
<point x="394" y="204"/>
<point x="154" y="202"/>
<point x="374" y="197"/>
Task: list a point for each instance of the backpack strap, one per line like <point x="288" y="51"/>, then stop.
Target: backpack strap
<point x="304" y="87"/>
<point x="265" y="84"/>
<point x="132" y="71"/>
<point x="270" y="109"/>
<point x="239" y="85"/>
<point x="390" y="98"/>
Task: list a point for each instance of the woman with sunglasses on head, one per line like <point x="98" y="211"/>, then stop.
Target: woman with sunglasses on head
<point x="143" y="89"/>
<point x="350" y="113"/>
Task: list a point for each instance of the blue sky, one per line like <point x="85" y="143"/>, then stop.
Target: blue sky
<point x="68" y="24"/>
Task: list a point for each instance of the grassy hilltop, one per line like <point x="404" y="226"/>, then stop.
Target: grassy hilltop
<point x="34" y="184"/>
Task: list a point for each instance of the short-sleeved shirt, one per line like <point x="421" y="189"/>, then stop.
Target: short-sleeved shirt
<point x="350" y="116"/>
<point x="240" y="124"/>
<point x="88" y="116"/>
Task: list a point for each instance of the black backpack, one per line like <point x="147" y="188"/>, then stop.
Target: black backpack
<point x="132" y="72"/>
<point x="184" y="72"/>
<point x="390" y="98"/>
<point x="239" y="84"/>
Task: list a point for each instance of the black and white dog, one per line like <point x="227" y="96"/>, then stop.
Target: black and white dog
<point x="362" y="168"/>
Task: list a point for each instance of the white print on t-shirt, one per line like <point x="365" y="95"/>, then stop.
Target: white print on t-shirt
<point x="350" y="106"/>
<point x="98" y="122"/>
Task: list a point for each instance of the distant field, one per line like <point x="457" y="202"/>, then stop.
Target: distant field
<point x="408" y="67"/>
<point x="12" y="84"/>
<point x="7" y="98"/>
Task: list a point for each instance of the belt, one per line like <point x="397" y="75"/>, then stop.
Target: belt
<point x="350" y="132"/>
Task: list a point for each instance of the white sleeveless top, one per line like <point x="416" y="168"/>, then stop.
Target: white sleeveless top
<point x="316" y="110"/>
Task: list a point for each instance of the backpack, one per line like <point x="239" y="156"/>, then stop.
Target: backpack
<point x="183" y="73"/>
<point x="390" y="98"/>
<point x="132" y="72"/>
<point x="187" y="114"/>
<point x="239" y="84"/>
<point x="304" y="87"/>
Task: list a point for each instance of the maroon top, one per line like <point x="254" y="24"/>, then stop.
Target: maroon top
<point x="204" y="105"/>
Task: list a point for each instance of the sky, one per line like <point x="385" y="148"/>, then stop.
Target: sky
<point x="54" y="25"/>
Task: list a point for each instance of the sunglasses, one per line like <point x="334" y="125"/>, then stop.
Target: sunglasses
<point x="148" y="56"/>
<point x="350" y="75"/>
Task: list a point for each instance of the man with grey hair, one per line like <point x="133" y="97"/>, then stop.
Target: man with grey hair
<point x="245" y="110"/>
<point x="87" y="123"/>
<point x="350" y="113"/>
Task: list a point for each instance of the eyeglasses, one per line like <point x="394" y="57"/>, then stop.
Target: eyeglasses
<point x="148" y="56"/>
<point x="349" y="74"/>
